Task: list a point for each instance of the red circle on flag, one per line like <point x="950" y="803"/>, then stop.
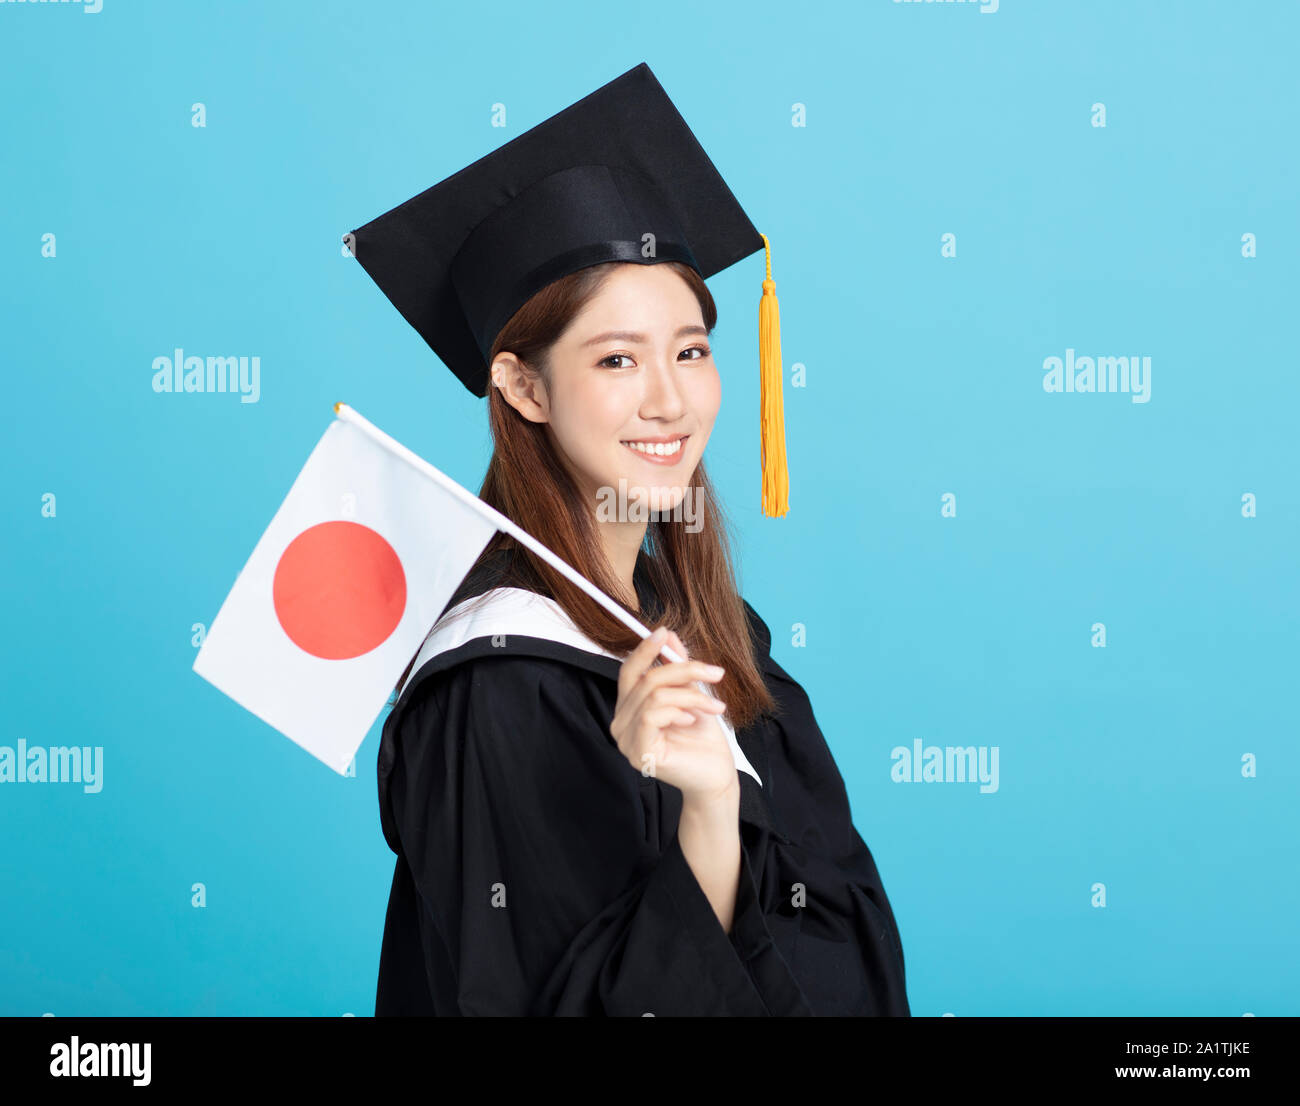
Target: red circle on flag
<point x="339" y="590"/>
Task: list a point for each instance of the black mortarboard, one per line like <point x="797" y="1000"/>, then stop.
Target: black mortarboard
<point x="580" y="188"/>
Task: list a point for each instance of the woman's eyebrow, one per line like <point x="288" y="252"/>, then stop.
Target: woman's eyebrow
<point x="632" y="336"/>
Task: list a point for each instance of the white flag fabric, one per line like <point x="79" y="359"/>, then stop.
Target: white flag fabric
<point x="341" y="590"/>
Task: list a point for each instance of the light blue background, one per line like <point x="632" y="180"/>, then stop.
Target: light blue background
<point x="1119" y="765"/>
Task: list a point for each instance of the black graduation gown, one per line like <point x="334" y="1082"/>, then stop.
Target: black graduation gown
<point x="539" y="873"/>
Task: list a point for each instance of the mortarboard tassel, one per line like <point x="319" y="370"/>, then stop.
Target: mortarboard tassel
<point x="776" y="478"/>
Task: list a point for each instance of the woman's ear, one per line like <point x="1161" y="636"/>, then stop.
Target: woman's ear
<point x="523" y="390"/>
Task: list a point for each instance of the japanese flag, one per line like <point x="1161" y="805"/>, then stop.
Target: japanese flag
<point x="341" y="590"/>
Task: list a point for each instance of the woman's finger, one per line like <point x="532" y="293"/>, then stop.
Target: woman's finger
<point x="669" y="716"/>
<point x="637" y="662"/>
<point x="676" y="644"/>
<point x="686" y="697"/>
<point x="676" y="674"/>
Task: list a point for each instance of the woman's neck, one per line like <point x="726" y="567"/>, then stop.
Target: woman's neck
<point x="622" y="543"/>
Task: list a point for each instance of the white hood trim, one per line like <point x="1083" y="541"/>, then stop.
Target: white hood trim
<point x="506" y="611"/>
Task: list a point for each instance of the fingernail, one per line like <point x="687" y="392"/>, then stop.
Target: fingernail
<point x="714" y="670"/>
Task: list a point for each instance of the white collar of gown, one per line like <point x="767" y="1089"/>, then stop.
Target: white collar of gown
<point x="508" y="611"/>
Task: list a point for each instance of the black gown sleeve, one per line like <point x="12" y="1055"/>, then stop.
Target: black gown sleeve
<point x="842" y="941"/>
<point x="541" y="887"/>
<point x="849" y="953"/>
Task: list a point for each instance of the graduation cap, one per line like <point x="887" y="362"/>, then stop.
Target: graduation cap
<point x="583" y="187"/>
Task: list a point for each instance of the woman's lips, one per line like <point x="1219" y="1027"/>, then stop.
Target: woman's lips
<point x="658" y="459"/>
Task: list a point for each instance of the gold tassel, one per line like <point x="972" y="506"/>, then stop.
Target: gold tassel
<point x="776" y="478"/>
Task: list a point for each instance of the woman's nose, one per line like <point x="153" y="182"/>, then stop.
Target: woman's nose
<point x="663" y="392"/>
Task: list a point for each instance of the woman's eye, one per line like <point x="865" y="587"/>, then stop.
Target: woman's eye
<point x="700" y="352"/>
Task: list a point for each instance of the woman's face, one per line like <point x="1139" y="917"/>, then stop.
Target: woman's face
<point x="631" y="376"/>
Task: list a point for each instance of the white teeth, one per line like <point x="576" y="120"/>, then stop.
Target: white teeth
<point x="659" y="449"/>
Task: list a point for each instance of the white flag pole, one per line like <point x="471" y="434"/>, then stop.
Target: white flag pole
<point x="498" y="520"/>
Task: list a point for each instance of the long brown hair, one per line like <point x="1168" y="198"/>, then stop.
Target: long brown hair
<point x="528" y="483"/>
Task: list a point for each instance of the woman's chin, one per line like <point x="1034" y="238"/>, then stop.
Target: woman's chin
<point x="633" y="498"/>
<point x="664" y="499"/>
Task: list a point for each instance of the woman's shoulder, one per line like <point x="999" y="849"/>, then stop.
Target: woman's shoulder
<point x="514" y="625"/>
<point x="762" y="636"/>
<point x="487" y="658"/>
<point x="511" y="712"/>
<point x="508" y="647"/>
<point x="505" y="658"/>
<point x="767" y="663"/>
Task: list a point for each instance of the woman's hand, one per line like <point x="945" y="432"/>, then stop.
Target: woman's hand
<point x="668" y="728"/>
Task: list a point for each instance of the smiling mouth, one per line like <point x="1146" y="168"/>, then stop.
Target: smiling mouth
<point x="658" y="451"/>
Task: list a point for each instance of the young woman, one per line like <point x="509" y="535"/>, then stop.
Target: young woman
<point x="580" y="828"/>
<point x="540" y="870"/>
